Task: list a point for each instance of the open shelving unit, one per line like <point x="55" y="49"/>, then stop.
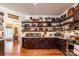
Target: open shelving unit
<point x="39" y="24"/>
<point x="1" y="25"/>
<point x="1" y="34"/>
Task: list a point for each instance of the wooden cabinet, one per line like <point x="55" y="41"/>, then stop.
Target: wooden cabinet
<point x="44" y="43"/>
<point x="2" y="48"/>
<point x="41" y="43"/>
<point x="61" y="45"/>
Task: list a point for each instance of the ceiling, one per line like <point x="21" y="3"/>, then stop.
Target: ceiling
<point x="38" y="9"/>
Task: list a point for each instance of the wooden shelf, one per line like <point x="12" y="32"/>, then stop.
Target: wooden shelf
<point x="59" y="25"/>
<point x="42" y="26"/>
<point x="37" y="31"/>
<point x="75" y="22"/>
<point x="71" y="23"/>
<point x="38" y="22"/>
<point x="66" y="19"/>
<point x="65" y="23"/>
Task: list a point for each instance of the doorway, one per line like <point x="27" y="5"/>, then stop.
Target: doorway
<point x="15" y="35"/>
<point x="9" y="32"/>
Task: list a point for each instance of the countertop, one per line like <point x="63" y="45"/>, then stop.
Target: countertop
<point x="73" y="41"/>
<point x="1" y="39"/>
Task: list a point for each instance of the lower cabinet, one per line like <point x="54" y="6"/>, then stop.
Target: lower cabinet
<point x="44" y="43"/>
<point x="2" y="48"/>
<point x="61" y="45"/>
<point x="41" y="43"/>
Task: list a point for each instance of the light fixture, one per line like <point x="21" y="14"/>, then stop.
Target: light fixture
<point x="35" y="4"/>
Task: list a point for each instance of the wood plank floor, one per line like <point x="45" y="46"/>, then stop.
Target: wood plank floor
<point x="13" y="49"/>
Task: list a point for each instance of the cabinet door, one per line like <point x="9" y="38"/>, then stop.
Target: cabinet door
<point x="63" y="46"/>
<point x="1" y="48"/>
<point x="29" y="43"/>
<point x="34" y="43"/>
<point x="23" y="43"/>
<point x="51" y="43"/>
<point x="43" y="43"/>
<point x="57" y="43"/>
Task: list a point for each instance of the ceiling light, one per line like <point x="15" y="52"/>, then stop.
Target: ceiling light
<point x="35" y="4"/>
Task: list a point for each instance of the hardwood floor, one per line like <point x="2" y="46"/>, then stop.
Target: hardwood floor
<point x="41" y="52"/>
<point x="13" y="49"/>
